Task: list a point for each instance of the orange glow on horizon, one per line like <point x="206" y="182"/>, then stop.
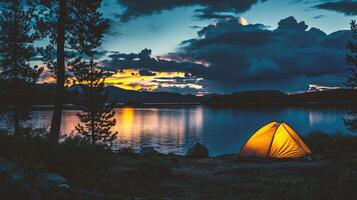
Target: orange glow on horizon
<point x="131" y="79"/>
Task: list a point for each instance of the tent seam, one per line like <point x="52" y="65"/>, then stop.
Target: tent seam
<point x="297" y="144"/>
<point x="272" y="139"/>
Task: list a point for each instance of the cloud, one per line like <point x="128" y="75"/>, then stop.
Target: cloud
<point x="144" y="61"/>
<point x="348" y="7"/>
<point x="319" y="16"/>
<point x="210" y="8"/>
<point x="228" y="56"/>
<point x="134" y="79"/>
<point x="145" y="72"/>
<point x="141" y="71"/>
<point x="254" y="57"/>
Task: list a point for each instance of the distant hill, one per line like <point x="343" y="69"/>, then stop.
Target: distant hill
<point x="260" y="97"/>
<point x="338" y="96"/>
<point x="43" y="94"/>
<point x="127" y="96"/>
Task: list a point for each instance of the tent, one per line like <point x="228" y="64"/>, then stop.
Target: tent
<point x="275" y="140"/>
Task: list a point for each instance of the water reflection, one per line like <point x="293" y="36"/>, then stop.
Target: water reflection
<point x="141" y="127"/>
<point x="175" y="129"/>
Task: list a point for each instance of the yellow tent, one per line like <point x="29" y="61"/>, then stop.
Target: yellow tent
<point x="275" y="140"/>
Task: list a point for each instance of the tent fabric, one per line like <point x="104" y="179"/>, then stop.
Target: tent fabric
<point x="275" y="140"/>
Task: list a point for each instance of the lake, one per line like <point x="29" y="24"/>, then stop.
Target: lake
<point x="173" y="129"/>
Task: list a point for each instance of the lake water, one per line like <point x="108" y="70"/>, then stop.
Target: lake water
<point x="174" y="129"/>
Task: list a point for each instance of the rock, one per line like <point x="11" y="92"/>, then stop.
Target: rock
<point x="148" y="151"/>
<point x="198" y="151"/>
<point x="52" y="181"/>
<point x="13" y="184"/>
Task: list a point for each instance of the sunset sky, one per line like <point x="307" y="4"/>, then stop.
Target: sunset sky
<point x="210" y="46"/>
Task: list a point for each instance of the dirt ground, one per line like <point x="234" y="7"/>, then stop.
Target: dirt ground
<point x="329" y="176"/>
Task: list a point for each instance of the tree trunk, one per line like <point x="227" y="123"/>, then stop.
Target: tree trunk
<point x="60" y="90"/>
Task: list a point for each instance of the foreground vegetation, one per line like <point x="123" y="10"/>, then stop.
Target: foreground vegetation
<point x="94" y="172"/>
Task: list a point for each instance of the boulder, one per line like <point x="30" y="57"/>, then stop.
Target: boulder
<point x="198" y="151"/>
<point x="52" y="181"/>
<point x="15" y="185"/>
<point x="148" y="151"/>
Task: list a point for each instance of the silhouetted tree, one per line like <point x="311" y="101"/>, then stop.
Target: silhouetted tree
<point x="351" y="81"/>
<point x="67" y="23"/>
<point x="16" y="51"/>
<point x="97" y="116"/>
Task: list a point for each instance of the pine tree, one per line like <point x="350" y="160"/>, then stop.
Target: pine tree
<point x="97" y="116"/>
<point x="66" y="24"/>
<point x="351" y="81"/>
<point x="16" y="51"/>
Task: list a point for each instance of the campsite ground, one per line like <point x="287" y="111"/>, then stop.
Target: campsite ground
<point x="330" y="176"/>
<point x="96" y="174"/>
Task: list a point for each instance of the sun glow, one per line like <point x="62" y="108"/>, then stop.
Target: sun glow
<point x="131" y="79"/>
<point x="243" y="21"/>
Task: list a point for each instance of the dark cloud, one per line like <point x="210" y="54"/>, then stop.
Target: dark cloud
<point x="211" y="8"/>
<point x="319" y="16"/>
<point x="228" y="56"/>
<point x="145" y="62"/>
<point x="348" y="7"/>
<point x="252" y="56"/>
<point x="290" y="24"/>
<point x="145" y="72"/>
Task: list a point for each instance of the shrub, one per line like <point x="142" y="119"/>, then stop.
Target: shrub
<point x="73" y="158"/>
<point x="323" y="142"/>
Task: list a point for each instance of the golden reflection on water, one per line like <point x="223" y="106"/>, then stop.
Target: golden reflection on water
<point x="162" y="128"/>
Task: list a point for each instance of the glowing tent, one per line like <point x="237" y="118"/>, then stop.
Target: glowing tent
<point x="275" y="140"/>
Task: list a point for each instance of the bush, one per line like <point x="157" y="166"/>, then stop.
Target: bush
<point x="323" y="142"/>
<point x="74" y="158"/>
